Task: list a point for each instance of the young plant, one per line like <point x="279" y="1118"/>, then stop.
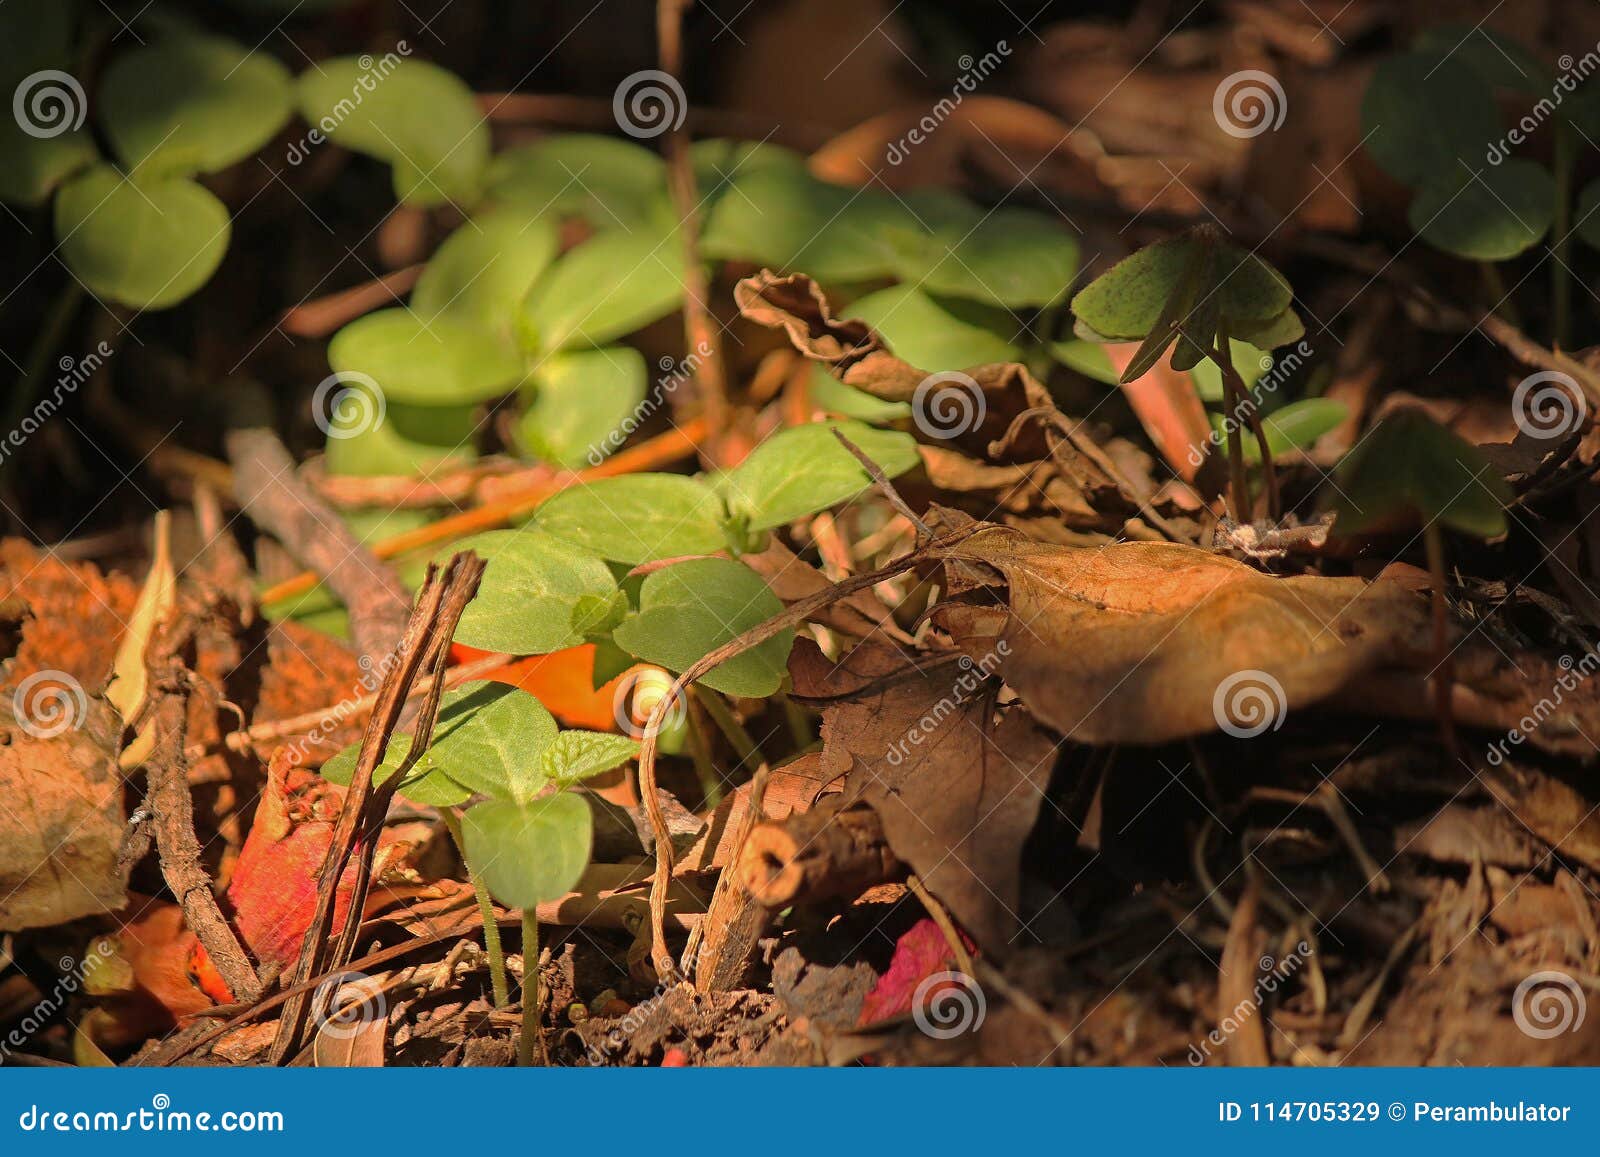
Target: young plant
<point x="522" y="843"/>
<point x="1430" y="118"/>
<point x="1195" y="294"/>
<point x="1411" y="474"/>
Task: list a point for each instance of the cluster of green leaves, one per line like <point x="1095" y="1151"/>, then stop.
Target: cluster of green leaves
<point x="554" y="583"/>
<point x="138" y="228"/>
<point x="501" y="308"/>
<point x="1430" y="120"/>
<point x="1196" y="295"/>
<point x="528" y="844"/>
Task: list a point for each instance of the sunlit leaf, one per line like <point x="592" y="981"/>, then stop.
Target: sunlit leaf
<point x="484" y="269"/>
<point x="1295" y="426"/>
<point x="609" y="182"/>
<point x="407" y="439"/>
<point x="691" y="608"/>
<point x="187" y="103"/>
<point x="805" y="469"/>
<point x="578" y="755"/>
<point x="640" y="518"/>
<point x="616" y="282"/>
<point x="539" y="594"/>
<point x="529" y="853"/>
<point x="431" y="787"/>
<point x="936" y="335"/>
<point x="1011" y="257"/>
<point x="416" y="116"/>
<point x="147" y="245"/>
<point x="441" y="362"/>
<point x="581" y="401"/>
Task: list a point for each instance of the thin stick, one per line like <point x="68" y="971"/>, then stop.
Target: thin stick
<point x="1252" y="414"/>
<point x="658" y="451"/>
<point x="738" y="737"/>
<point x="885" y="487"/>
<point x="947" y="926"/>
<point x="425" y="643"/>
<point x="491" y="928"/>
<point x="700" y="332"/>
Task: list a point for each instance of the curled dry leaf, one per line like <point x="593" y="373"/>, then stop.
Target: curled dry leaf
<point x="956" y="782"/>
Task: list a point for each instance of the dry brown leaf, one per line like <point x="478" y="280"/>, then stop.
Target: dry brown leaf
<point x="62" y="825"/>
<point x="956" y="783"/>
<point x="1150" y="642"/>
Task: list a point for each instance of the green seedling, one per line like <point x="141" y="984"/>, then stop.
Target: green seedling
<point x="1411" y="474"/>
<point x="1195" y="294"/>
<point x="523" y="843"/>
<point x="1431" y="120"/>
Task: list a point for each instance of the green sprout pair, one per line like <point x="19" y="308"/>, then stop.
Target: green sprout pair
<point x="527" y="840"/>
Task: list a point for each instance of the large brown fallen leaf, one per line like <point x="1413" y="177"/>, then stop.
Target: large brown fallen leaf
<point x="61" y="819"/>
<point x="956" y="783"/>
<point x="1150" y="642"/>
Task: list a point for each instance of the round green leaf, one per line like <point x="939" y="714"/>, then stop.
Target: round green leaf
<point x="31" y="167"/>
<point x="483" y="270"/>
<point x="490" y="737"/>
<point x="416" y="116"/>
<point x="441" y="362"/>
<point x="718" y="163"/>
<point x="609" y="182"/>
<point x="582" y="404"/>
<point x="189" y="103"/>
<point x="147" y="245"/>
<point x="538" y="594"/>
<point x="937" y="335"/>
<point x="1424" y="115"/>
<point x="1489" y="216"/>
<point x="1409" y="470"/>
<point x="690" y="609"/>
<point x="640" y="518"/>
<point x="404" y="440"/>
<point x="1012" y="258"/>
<point x="802" y="470"/>
<point x="616" y="282"/>
<point x="529" y="853"/>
